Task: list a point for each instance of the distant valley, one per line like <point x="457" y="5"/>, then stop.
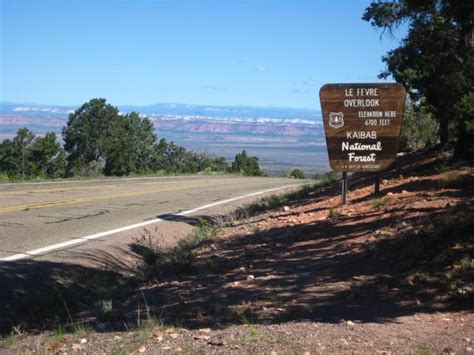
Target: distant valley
<point x="283" y="138"/>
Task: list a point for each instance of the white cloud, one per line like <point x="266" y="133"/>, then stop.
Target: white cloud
<point x="300" y="91"/>
<point x="310" y="82"/>
<point x="262" y="68"/>
<point x="21" y="109"/>
<point x="38" y="109"/>
<point x="215" y="87"/>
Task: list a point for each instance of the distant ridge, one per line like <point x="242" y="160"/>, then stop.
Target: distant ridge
<point x="27" y="109"/>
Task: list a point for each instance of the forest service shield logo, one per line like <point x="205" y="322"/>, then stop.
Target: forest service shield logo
<point x="336" y="119"/>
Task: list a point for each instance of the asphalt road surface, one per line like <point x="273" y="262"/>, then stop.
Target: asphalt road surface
<point x="43" y="218"/>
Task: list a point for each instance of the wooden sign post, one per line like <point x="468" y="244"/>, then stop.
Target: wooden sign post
<point x="362" y="123"/>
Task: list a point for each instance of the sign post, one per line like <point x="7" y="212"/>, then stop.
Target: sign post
<point x="362" y="123"/>
<point x="344" y="187"/>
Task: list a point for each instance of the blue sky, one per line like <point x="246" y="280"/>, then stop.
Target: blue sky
<point x="258" y="53"/>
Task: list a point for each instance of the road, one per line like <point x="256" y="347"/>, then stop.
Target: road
<point x="42" y="218"/>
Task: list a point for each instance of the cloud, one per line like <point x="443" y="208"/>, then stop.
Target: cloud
<point x="262" y="68"/>
<point x="215" y="87"/>
<point x="300" y="91"/>
<point x="310" y="82"/>
<point x="38" y="109"/>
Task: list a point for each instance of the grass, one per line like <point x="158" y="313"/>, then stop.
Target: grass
<point x="121" y="351"/>
<point x="327" y="178"/>
<point x="254" y="228"/>
<point x="8" y="340"/>
<point x="253" y="333"/>
<point x="377" y="202"/>
<point x="274" y="201"/>
<point x="423" y="350"/>
<point x="180" y="258"/>
<point x="82" y="330"/>
<point x="146" y="328"/>
<point x="276" y="299"/>
<point x="59" y="333"/>
<point x="452" y="179"/>
<point x="333" y="212"/>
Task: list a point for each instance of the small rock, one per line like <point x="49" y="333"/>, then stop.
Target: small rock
<point x="117" y="337"/>
<point x="273" y="352"/>
<point x="467" y="340"/>
<point x="404" y="192"/>
<point x="77" y="347"/>
<point x="390" y="194"/>
<point x="250" y="277"/>
<point x="142" y="349"/>
<point x="204" y="330"/>
<point x="166" y="348"/>
<point x="468" y="349"/>
<point x="83" y="341"/>
<point x="344" y="341"/>
<point x="286" y="208"/>
<point x="350" y="323"/>
<point x="215" y="343"/>
<point x="174" y="335"/>
<point x="202" y="337"/>
<point x="178" y="349"/>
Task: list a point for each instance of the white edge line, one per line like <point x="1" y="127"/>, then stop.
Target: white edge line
<point x="81" y="240"/>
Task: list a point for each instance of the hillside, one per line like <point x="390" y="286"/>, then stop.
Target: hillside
<point x="382" y="274"/>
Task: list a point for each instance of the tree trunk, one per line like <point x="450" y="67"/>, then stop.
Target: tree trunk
<point x="443" y="130"/>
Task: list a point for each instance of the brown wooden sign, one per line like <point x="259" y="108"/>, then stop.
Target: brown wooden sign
<point x="362" y="123"/>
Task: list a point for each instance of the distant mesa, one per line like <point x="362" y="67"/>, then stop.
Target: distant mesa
<point x="178" y="118"/>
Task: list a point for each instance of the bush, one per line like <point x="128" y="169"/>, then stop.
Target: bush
<point x="327" y="178"/>
<point x="464" y="114"/>
<point x="419" y="129"/>
<point x="246" y="165"/>
<point x="297" y="174"/>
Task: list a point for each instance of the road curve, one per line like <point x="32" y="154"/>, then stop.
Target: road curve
<point x="36" y="216"/>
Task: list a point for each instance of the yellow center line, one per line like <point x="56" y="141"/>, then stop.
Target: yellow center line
<point x="103" y="197"/>
<point x="49" y="190"/>
<point x="53" y="189"/>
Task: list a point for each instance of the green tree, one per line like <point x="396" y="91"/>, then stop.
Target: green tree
<point x="247" y="165"/>
<point x="464" y="111"/>
<point x="297" y="174"/>
<point x="48" y="156"/>
<point x="87" y="133"/>
<point x="435" y="61"/>
<point x="21" y="152"/>
<point x="419" y="128"/>
<point x="7" y="161"/>
<point x="129" y="148"/>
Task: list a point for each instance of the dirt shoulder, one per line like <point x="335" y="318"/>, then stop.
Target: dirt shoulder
<point x="391" y="273"/>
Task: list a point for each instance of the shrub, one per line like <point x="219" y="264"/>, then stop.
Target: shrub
<point x="297" y="174"/>
<point x="419" y="129"/>
<point x="332" y="213"/>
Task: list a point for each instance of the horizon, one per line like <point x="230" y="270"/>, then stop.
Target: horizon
<point x="159" y="103"/>
<point x="260" y="54"/>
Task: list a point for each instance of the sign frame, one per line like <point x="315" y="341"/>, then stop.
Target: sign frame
<point x="362" y="124"/>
